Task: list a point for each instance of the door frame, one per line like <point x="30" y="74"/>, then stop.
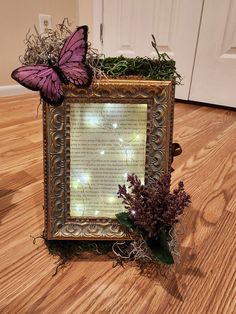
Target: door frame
<point x="93" y="17"/>
<point x="98" y="6"/>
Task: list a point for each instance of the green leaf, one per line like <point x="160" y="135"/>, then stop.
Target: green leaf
<point x="160" y="248"/>
<point x="124" y="219"/>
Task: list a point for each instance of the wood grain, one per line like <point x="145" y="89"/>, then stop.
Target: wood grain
<point x="204" y="281"/>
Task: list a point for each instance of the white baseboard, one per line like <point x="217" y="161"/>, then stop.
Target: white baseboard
<point x="12" y="90"/>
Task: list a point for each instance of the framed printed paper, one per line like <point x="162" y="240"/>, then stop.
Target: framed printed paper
<point x="91" y="142"/>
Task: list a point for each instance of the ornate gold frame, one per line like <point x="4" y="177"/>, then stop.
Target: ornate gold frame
<point x="159" y="95"/>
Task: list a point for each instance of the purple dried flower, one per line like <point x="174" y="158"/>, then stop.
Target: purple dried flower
<point x="153" y="206"/>
<point x="122" y="190"/>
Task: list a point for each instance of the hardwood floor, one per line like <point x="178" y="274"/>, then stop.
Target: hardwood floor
<point x="204" y="281"/>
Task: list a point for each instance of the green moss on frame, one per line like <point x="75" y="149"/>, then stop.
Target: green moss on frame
<point x="146" y="68"/>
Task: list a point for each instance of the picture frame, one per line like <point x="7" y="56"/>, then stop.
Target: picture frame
<point x="156" y="97"/>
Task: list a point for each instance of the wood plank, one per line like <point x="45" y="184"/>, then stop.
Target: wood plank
<point x="204" y="281"/>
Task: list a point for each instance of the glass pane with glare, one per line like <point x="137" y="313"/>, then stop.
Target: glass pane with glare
<point x="107" y="141"/>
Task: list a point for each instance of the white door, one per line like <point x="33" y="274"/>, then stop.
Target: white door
<point x="214" y="75"/>
<point x="128" y="25"/>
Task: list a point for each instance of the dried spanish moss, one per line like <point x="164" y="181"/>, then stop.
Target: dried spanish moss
<point x="67" y="250"/>
<point x="120" y="252"/>
<point x="136" y="250"/>
<point x="173" y="244"/>
<point x="93" y="59"/>
<point x="41" y="47"/>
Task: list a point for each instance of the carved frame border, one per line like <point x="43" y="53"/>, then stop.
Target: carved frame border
<point x="159" y="95"/>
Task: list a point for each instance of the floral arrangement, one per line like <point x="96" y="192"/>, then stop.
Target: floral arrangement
<point x="152" y="212"/>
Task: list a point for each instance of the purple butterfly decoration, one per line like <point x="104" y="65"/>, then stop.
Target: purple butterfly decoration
<point x="70" y="68"/>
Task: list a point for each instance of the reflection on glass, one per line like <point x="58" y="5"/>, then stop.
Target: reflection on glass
<point x="107" y="141"/>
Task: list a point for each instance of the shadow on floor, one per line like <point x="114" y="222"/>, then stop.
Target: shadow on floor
<point x="169" y="277"/>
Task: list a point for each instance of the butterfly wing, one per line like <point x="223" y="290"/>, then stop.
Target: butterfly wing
<point x="43" y="78"/>
<point x="72" y="58"/>
<point x="78" y="74"/>
<point x="47" y="79"/>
